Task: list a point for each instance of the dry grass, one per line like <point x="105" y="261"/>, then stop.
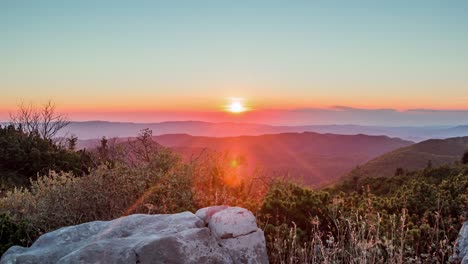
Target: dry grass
<point x="358" y="238"/>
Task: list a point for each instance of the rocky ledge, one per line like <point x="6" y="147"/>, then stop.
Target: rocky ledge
<point x="218" y="234"/>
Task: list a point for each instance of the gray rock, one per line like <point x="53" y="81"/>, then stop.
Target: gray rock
<point x="206" y="213"/>
<point x="249" y="248"/>
<point x="232" y="222"/>
<point x="176" y="238"/>
<point x="237" y="231"/>
<point x="461" y="247"/>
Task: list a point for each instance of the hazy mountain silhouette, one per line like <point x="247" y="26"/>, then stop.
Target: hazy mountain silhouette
<point x="97" y="129"/>
<point x="435" y="152"/>
<point x="315" y="158"/>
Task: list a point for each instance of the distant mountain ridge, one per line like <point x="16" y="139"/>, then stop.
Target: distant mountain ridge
<point x="435" y="152"/>
<point x="312" y="157"/>
<point x="98" y="129"/>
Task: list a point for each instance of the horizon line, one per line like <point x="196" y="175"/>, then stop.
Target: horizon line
<point x="253" y="123"/>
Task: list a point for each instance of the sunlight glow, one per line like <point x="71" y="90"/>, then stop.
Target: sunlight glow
<point x="236" y="106"/>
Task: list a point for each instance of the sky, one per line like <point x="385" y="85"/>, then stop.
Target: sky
<point x="154" y="60"/>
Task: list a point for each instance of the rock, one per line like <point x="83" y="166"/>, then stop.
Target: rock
<point x="206" y="213"/>
<point x="176" y="238"/>
<point x="249" y="248"/>
<point x="237" y="231"/>
<point x="461" y="247"/>
<point x="232" y="222"/>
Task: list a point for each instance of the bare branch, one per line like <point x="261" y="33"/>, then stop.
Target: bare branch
<point x="46" y="122"/>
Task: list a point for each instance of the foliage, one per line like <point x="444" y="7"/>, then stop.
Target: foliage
<point x="24" y="155"/>
<point x="385" y="186"/>
<point x="219" y="179"/>
<point x="412" y="218"/>
<point x="109" y="153"/>
<point x="286" y="202"/>
<point x="15" y="233"/>
<point x="62" y="199"/>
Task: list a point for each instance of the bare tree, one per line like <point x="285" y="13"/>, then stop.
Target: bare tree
<point x="144" y="146"/>
<point x="44" y="121"/>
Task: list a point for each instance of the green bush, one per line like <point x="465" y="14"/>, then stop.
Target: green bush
<point x="287" y="202"/>
<point x="62" y="199"/>
<point x="416" y="219"/>
<point x="25" y="155"/>
<point x="13" y="232"/>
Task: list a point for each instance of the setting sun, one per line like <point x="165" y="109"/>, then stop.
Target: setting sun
<point x="236" y="106"/>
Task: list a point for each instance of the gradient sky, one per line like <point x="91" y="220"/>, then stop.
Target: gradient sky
<point x="99" y="59"/>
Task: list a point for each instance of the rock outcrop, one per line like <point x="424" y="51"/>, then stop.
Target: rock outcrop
<point x="460" y="254"/>
<point x="236" y="230"/>
<point x="217" y="234"/>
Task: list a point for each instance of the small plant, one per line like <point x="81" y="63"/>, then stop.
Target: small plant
<point x="14" y="232"/>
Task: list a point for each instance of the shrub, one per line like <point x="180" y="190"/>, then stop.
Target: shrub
<point x="62" y="199"/>
<point x="13" y="232"/>
<point x="220" y="179"/>
<point x="288" y="202"/>
<point x="414" y="222"/>
<point x="24" y="155"/>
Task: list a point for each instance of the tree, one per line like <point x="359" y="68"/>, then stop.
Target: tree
<point x="110" y="153"/>
<point x="144" y="146"/>
<point x="103" y="151"/>
<point x="45" y="121"/>
<point x="24" y="155"/>
<point x="465" y="158"/>
<point x="71" y="142"/>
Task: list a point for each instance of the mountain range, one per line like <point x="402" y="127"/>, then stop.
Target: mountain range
<point x="316" y="153"/>
<point x="312" y="157"/>
<point x="98" y="129"/>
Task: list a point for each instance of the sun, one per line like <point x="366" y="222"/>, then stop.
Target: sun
<point x="236" y="106"/>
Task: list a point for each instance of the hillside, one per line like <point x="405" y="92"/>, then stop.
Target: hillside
<point x="317" y="158"/>
<point x="414" y="157"/>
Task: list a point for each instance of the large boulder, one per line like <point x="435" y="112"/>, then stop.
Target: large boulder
<point x="237" y="231"/>
<point x="461" y="247"/>
<point x="225" y="236"/>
